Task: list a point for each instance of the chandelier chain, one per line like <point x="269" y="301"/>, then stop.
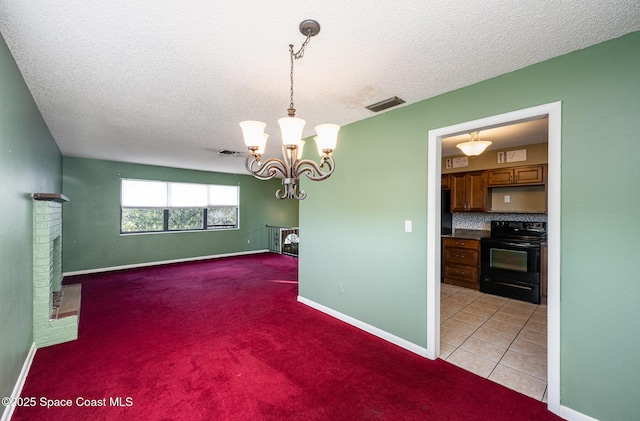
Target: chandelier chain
<point x="295" y="56"/>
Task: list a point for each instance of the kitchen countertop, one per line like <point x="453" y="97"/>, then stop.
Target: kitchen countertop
<point x="468" y="234"/>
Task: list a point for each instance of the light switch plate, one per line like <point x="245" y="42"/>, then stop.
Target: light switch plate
<point x="407" y="226"/>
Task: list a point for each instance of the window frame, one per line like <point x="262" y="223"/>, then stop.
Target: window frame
<point x="205" y="227"/>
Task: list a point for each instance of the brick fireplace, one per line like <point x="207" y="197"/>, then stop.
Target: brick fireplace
<point x="56" y="308"/>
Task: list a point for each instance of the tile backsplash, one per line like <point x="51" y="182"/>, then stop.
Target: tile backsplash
<point x="482" y="221"/>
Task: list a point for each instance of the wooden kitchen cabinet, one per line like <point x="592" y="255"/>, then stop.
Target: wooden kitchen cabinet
<point x="444" y="181"/>
<point x="461" y="262"/>
<point x="516" y="176"/>
<point x="469" y="191"/>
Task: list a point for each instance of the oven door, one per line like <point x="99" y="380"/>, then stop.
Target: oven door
<point x="511" y="269"/>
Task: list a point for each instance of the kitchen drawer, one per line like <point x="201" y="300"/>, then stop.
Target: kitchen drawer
<point x="461" y="262"/>
<point x="462" y="272"/>
<point x="461" y="256"/>
<point x="462" y="276"/>
<point x="462" y="243"/>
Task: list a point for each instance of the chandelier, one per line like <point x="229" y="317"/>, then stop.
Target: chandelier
<point x="291" y="167"/>
<point x="474" y="146"/>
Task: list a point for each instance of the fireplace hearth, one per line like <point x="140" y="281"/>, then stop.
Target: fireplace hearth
<point x="56" y="308"/>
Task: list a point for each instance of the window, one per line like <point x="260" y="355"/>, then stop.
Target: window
<point x="159" y="206"/>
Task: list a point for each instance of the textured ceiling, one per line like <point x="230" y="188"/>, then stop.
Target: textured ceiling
<point x="166" y="82"/>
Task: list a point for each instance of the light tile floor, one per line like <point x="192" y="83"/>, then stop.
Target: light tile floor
<point x="497" y="338"/>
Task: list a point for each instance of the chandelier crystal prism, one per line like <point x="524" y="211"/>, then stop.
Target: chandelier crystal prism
<point x="292" y="166"/>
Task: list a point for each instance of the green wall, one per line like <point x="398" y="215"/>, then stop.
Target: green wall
<point x="353" y="223"/>
<point x="91" y="219"/>
<point x="30" y="162"/>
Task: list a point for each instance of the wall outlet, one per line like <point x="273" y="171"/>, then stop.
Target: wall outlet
<point x="507" y="198"/>
<point x="407" y="226"/>
<point x="340" y="288"/>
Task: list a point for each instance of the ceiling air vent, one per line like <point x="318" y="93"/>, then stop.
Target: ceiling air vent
<point x="383" y="105"/>
<point x="228" y="153"/>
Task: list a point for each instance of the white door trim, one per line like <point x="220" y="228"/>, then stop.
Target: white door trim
<point x="554" y="112"/>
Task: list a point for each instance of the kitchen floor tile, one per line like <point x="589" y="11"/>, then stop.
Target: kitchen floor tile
<point x="536" y="326"/>
<point x="460" y="299"/>
<point x="498" y="338"/>
<point x="449" y="289"/>
<point x="533" y="366"/>
<point x="446" y="350"/>
<point x="535" y="337"/>
<point x="493" y="299"/>
<point x="494" y="337"/>
<point x="509" y="318"/>
<point x="452" y="338"/>
<point x="502" y="327"/>
<point x="484" y="349"/>
<point x="480" y="309"/>
<point x="528" y="348"/>
<point x="521" y="305"/>
<point x="459" y="327"/>
<point x="446" y="312"/>
<point x="541" y="311"/>
<point x="516" y="312"/>
<point x="471" y="293"/>
<point x="472" y="319"/>
<point x="539" y="317"/>
<point x="471" y="362"/>
<point x="453" y="302"/>
<point x="518" y="381"/>
<point x="445" y="290"/>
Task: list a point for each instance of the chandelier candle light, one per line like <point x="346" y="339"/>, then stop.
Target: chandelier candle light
<point x="292" y="166"/>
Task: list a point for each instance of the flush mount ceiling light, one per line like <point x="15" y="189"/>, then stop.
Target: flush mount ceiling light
<point x="474" y="146"/>
<point x="291" y="167"/>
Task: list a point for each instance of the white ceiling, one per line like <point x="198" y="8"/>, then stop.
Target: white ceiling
<point x="166" y="82"/>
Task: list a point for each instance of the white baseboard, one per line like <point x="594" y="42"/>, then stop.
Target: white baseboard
<point x="17" y="389"/>
<point x="565" y="412"/>
<point x="573" y="415"/>
<point x="162" y="262"/>
<point x="403" y="343"/>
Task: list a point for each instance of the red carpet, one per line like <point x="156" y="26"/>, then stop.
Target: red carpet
<point x="226" y="340"/>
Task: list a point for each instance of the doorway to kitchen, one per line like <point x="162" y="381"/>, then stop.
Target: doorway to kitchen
<point x="553" y="112"/>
